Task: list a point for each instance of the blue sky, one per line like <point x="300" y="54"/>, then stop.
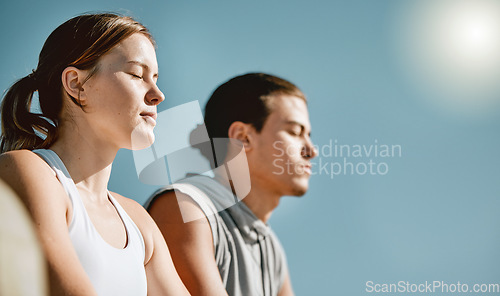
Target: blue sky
<point x="375" y="73"/>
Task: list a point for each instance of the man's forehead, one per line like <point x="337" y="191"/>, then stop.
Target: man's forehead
<point x="289" y="110"/>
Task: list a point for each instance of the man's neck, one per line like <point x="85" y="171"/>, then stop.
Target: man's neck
<point x="260" y="202"/>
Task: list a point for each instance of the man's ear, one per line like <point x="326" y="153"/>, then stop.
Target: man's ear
<point x="241" y="131"/>
<point x="72" y="80"/>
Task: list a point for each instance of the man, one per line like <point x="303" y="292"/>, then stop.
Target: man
<point x="231" y="250"/>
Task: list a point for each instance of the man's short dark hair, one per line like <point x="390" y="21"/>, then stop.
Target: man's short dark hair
<point x="245" y="98"/>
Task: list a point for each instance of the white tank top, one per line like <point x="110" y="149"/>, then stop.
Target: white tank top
<point x="112" y="271"/>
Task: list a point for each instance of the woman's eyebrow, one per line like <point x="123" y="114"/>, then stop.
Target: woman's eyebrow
<point x="138" y="63"/>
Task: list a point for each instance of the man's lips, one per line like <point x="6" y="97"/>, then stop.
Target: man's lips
<point x="307" y="168"/>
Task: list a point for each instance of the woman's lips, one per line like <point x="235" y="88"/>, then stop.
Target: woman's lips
<point x="150" y="117"/>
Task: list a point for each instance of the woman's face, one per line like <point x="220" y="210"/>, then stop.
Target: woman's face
<point x="121" y="97"/>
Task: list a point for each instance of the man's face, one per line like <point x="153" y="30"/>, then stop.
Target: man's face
<point x="279" y="158"/>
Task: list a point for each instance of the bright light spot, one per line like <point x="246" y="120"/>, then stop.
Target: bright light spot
<point x="471" y="33"/>
<point x="476" y="38"/>
<point x="452" y="47"/>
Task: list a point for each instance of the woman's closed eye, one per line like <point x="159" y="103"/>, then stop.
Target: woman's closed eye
<point x="138" y="76"/>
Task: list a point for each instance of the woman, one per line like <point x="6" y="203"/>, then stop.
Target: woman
<point x="96" y="81"/>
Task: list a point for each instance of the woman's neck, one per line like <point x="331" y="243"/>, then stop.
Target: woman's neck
<point x="87" y="159"/>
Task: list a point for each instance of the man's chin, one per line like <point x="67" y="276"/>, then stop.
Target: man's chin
<point x="299" y="190"/>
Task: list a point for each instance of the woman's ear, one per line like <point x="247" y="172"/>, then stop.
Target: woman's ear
<point x="241" y="131"/>
<point x="72" y="80"/>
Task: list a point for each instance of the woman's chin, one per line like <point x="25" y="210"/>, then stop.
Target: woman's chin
<point x="141" y="139"/>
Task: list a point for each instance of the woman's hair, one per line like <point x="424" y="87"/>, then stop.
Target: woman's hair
<point x="79" y="42"/>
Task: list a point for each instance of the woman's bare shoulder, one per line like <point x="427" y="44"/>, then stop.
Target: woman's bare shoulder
<point x="127" y="203"/>
<point x="24" y="166"/>
<point x="21" y="160"/>
<point x="30" y="176"/>
<point x="135" y="210"/>
<point x="149" y="230"/>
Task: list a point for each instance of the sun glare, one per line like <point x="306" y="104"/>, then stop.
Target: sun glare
<point x="452" y="47"/>
<point x="474" y="34"/>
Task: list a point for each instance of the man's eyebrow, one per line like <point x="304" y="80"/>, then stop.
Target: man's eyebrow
<point x="294" y="122"/>
<point x="142" y="65"/>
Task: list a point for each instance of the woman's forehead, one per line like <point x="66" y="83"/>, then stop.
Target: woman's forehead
<point x="136" y="49"/>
